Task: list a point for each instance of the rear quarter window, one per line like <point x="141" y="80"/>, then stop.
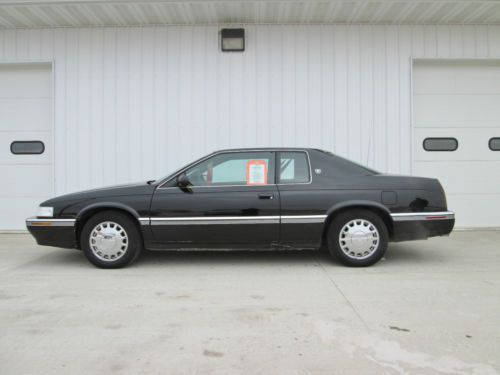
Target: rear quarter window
<point x="293" y="168"/>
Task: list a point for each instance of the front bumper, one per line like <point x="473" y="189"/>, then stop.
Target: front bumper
<point x="421" y="225"/>
<point x="52" y="232"/>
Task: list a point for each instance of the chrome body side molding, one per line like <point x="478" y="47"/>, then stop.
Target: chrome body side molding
<point x="49" y="222"/>
<point x="144" y="220"/>
<point x="284" y="219"/>
<point x="426" y="216"/>
<point x="204" y="220"/>
<point x="302" y="219"/>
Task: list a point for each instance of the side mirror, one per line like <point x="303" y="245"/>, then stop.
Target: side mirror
<point x="183" y="182"/>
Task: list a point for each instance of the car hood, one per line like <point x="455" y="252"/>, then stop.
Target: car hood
<point x="138" y="188"/>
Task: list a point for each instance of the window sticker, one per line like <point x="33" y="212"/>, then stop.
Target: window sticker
<point x="256" y="172"/>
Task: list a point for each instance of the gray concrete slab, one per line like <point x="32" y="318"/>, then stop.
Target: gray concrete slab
<point x="430" y="307"/>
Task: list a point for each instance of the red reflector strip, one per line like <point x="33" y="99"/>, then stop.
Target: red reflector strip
<point x="435" y="217"/>
<point x="41" y="224"/>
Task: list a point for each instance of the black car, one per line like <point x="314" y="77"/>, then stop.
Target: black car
<point x="253" y="199"/>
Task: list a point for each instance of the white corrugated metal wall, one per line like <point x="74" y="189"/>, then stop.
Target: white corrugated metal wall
<point x="133" y="103"/>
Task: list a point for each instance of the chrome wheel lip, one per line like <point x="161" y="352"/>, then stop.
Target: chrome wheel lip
<point x="359" y="239"/>
<point x="108" y="241"/>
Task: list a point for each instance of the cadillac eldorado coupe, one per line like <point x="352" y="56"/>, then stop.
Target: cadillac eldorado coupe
<point x="251" y="199"/>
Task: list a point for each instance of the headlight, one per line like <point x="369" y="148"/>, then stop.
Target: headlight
<point x="45" y="211"/>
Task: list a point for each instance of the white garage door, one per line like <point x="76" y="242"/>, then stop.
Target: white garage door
<point x="456" y="104"/>
<point x="25" y="141"/>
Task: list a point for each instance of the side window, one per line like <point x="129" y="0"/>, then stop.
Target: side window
<point x="235" y="168"/>
<point x="293" y="168"/>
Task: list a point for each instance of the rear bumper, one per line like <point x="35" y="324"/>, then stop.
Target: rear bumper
<point x="421" y="225"/>
<point x="52" y="232"/>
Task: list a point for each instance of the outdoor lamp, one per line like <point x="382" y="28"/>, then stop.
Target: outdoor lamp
<point x="232" y="40"/>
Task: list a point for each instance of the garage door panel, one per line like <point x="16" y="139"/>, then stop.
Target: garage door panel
<point x="25" y="115"/>
<point x="456" y="110"/>
<point x="460" y="100"/>
<point x="37" y="118"/>
<point x="33" y="182"/>
<point x="7" y="157"/>
<point x="25" y="81"/>
<point x="457" y="78"/>
<point x="475" y="211"/>
<point x="463" y="177"/>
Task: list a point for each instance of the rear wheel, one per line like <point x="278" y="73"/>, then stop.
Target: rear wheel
<point x="111" y="239"/>
<point x="358" y="238"/>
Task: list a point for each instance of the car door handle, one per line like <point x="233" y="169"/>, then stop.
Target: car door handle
<point x="266" y="196"/>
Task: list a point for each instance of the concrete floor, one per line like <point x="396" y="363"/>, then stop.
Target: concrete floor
<point x="430" y="307"/>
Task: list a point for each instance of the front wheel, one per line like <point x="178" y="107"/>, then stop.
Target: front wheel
<point x="358" y="238"/>
<point x="111" y="239"/>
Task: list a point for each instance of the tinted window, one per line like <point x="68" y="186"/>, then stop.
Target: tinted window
<point x="293" y="168"/>
<point x="494" y="144"/>
<point x="238" y="168"/>
<point x="440" y="144"/>
<point x="27" y="147"/>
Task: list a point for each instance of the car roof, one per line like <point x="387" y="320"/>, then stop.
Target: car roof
<point x="265" y="149"/>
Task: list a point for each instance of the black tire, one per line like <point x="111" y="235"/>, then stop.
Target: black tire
<point x="357" y="258"/>
<point x="131" y="242"/>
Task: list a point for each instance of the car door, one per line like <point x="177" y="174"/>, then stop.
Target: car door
<point x="232" y="202"/>
<point x="302" y="203"/>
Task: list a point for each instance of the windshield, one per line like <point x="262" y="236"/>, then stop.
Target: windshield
<point x="176" y="171"/>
